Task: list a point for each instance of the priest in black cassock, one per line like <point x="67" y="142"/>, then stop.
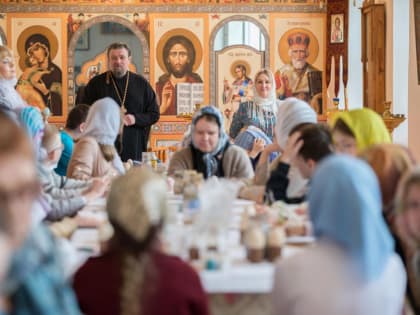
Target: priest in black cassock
<point x="135" y="96"/>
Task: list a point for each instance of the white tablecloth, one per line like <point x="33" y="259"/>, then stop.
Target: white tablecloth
<point x="244" y="277"/>
<point x="247" y="278"/>
<point x="236" y="274"/>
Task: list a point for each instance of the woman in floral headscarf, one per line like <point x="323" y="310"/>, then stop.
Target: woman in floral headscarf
<point x="134" y="276"/>
<point x="210" y="152"/>
<point x="262" y="110"/>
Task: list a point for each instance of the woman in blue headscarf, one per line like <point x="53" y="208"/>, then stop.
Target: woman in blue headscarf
<point x="210" y="152"/>
<point x="352" y="269"/>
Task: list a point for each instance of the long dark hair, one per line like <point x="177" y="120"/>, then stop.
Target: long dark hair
<point x="184" y="41"/>
<point x="243" y="69"/>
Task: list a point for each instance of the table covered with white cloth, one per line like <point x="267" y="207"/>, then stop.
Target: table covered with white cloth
<point x="236" y="287"/>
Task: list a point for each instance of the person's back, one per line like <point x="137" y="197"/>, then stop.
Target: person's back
<point x="352" y="268"/>
<point x="71" y="132"/>
<point x="320" y="282"/>
<point x="88" y="161"/>
<point x="66" y="196"/>
<point x="134" y="276"/>
<point x="174" y="287"/>
<point x="94" y="154"/>
<point x="68" y="146"/>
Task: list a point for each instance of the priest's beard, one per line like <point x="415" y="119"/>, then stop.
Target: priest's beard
<point x="118" y="73"/>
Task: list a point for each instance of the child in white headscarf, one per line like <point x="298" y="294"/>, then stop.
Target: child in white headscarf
<point x="94" y="154"/>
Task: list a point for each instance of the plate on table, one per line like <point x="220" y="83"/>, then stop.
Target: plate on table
<point x="300" y="240"/>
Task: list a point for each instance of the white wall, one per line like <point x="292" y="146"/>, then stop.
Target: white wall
<point x="399" y="60"/>
<point x="355" y="71"/>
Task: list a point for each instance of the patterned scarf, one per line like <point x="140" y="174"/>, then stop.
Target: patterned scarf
<point x="35" y="281"/>
<point x="210" y="159"/>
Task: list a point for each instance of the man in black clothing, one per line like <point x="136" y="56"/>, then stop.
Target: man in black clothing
<point x="306" y="146"/>
<point x="135" y="96"/>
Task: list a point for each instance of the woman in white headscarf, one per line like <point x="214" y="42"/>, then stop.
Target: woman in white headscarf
<point x="94" y="154"/>
<point x="9" y="97"/>
<point x="262" y="110"/>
